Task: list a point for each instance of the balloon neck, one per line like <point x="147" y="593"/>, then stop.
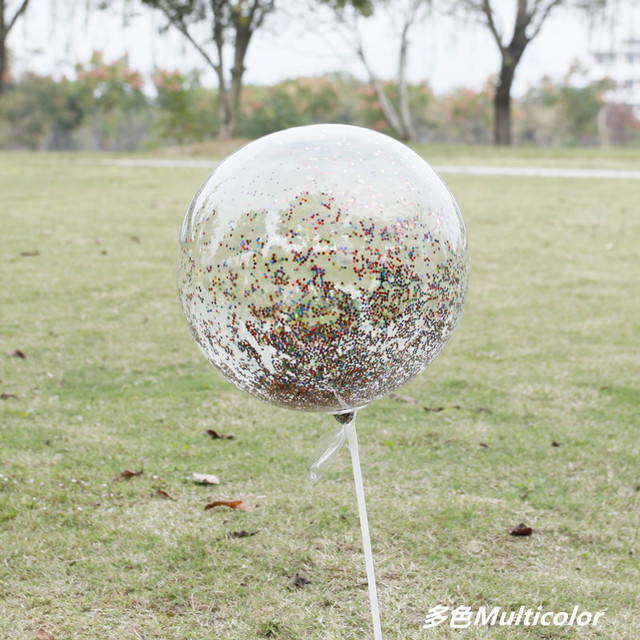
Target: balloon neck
<point x="344" y="418"/>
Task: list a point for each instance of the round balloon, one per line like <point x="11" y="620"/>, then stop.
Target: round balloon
<point x="322" y="267"/>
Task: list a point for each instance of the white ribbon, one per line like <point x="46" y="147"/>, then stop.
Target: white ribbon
<point x="325" y="452"/>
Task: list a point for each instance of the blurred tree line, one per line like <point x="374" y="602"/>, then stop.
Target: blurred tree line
<point x="108" y="106"/>
<point x="106" y="102"/>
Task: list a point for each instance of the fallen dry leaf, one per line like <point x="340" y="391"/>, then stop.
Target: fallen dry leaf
<point x="483" y="410"/>
<point x="18" y="354"/>
<point x="6" y="396"/>
<point x="218" y="436"/>
<point x="43" y="635"/>
<point x="407" y="399"/>
<point x="165" y="494"/>
<point x="241" y="534"/>
<point x="127" y="474"/>
<point x="301" y="581"/>
<point x="521" y="530"/>
<point x="232" y="504"/>
<point x="205" y="478"/>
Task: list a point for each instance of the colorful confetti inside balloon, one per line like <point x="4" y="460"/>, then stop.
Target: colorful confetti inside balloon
<point x="322" y="267"/>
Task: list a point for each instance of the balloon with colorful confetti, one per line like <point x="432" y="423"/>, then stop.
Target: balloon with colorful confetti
<point x="322" y="267"/>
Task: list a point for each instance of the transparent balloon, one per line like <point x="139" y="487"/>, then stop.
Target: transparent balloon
<point x="322" y="267"/>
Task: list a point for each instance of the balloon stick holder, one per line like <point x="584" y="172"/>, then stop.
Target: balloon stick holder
<point x="349" y="425"/>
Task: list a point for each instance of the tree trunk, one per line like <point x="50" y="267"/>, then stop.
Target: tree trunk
<point x="502" y="108"/>
<point x="3" y="47"/>
<point x="225" y="15"/>
<point x="397" y="117"/>
<point x="223" y="96"/>
<point x="388" y="110"/>
<point x="6" y="24"/>
<point x="502" y="102"/>
<point x="243" y="35"/>
<point x="224" y="126"/>
<point x="529" y="16"/>
<point x="403" y="90"/>
<point x="603" y="127"/>
<point x="3" y="61"/>
<point x="224" y="130"/>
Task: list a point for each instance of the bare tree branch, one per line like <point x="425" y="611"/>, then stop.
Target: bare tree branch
<point x="230" y="22"/>
<point x="543" y="16"/>
<point x="399" y="119"/>
<point x="403" y="90"/>
<point x="182" y="27"/>
<point x="385" y="104"/>
<point x="17" y="14"/>
<point x="487" y="10"/>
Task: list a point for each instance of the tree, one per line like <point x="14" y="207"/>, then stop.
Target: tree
<point x="530" y="15"/>
<point x="185" y="107"/>
<point x="42" y="113"/>
<point x="291" y="103"/>
<point x="230" y="21"/>
<point x="569" y="112"/>
<point x="10" y="12"/>
<point x="410" y="12"/>
<point x="113" y="98"/>
<point x="463" y="116"/>
<point x="27" y="108"/>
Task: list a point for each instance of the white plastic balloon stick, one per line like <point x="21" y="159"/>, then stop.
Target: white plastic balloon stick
<point x="352" y="439"/>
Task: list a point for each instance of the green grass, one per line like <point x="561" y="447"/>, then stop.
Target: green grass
<point x="547" y="350"/>
<point x="442" y="154"/>
<point x="574" y="157"/>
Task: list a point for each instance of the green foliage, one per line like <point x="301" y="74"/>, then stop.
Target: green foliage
<point x="223" y="13"/>
<point x="288" y="104"/>
<point x="276" y="112"/>
<point x="368" y="111"/>
<point x="41" y="113"/>
<point x="565" y="112"/>
<point x="462" y="116"/>
<point x="622" y="124"/>
<point x="364" y="7"/>
<point x="181" y="10"/>
<point x="186" y="109"/>
<point x="27" y="111"/>
<point x="229" y="22"/>
<point x="106" y="108"/>
<point x="329" y="98"/>
<point x="116" y="96"/>
<point x="113" y="85"/>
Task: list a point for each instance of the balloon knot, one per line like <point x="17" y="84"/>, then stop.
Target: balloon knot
<point x="344" y="418"/>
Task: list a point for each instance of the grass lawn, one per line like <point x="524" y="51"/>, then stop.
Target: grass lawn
<point x="529" y="415"/>
<point x="443" y="154"/>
